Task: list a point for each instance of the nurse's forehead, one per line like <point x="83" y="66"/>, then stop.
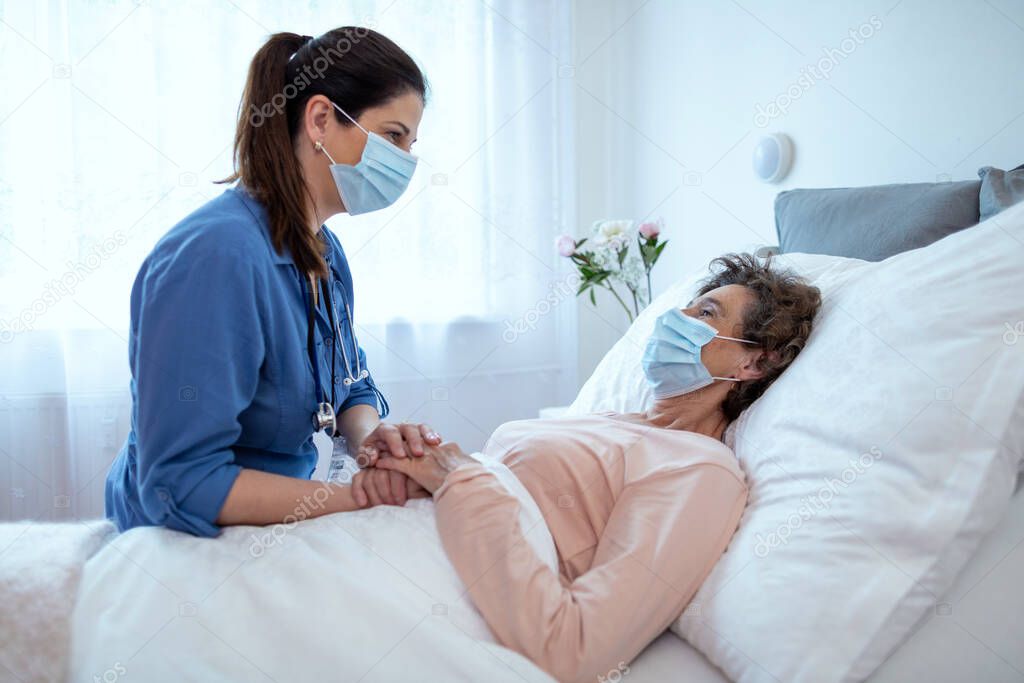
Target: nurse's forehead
<point x="405" y="109"/>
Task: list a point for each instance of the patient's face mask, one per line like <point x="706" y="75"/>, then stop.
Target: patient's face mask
<point x="378" y="180"/>
<point x="672" y="358"/>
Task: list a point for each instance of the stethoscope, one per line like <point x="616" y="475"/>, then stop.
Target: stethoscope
<point x="325" y="418"/>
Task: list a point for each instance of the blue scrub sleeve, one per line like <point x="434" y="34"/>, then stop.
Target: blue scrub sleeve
<point x="366" y="393"/>
<point x="199" y="350"/>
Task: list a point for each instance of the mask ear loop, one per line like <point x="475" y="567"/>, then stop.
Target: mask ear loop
<point x="319" y="146"/>
<point x="736" y="339"/>
<point x="350" y="119"/>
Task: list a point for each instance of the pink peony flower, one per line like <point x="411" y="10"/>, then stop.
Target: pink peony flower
<point x="650" y="229"/>
<point x="566" y="245"/>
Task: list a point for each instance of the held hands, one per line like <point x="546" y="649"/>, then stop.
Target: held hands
<point x="431" y="470"/>
<point x="370" y="486"/>
<point x="399" y="440"/>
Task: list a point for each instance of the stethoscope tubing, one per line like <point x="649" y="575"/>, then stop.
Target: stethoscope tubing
<point x="325" y="415"/>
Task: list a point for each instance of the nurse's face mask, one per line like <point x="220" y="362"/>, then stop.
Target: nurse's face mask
<point x="672" y="361"/>
<point x="378" y="180"/>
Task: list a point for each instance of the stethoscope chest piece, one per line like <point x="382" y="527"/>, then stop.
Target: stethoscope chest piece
<point x="325" y="418"/>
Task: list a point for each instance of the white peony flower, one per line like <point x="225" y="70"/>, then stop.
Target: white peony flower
<point x="614" y="231"/>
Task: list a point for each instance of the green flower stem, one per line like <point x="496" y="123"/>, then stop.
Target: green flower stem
<point x="621" y="302"/>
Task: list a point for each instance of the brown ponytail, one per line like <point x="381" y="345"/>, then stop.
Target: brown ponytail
<point x="354" y="67"/>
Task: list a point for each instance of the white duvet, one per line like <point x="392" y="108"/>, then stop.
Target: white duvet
<point x="359" y="596"/>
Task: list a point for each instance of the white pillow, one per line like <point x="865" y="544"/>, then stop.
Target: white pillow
<point x="876" y="462"/>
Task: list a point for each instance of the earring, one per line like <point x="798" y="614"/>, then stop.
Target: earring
<point x="319" y="146"/>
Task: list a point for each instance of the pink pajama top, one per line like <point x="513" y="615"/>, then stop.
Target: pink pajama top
<point x="639" y="515"/>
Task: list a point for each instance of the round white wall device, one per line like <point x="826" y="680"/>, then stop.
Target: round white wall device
<point x="773" y="157"/>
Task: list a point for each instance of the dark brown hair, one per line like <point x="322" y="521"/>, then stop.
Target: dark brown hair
<point x="354" y="67"/>
<point x="779" y="318"/>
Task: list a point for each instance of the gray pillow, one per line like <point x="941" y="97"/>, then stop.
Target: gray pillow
<point x="873" y="223"/>
<point x="1000" y="189"/>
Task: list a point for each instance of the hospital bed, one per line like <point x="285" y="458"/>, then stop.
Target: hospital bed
<point x="973" y="632"/>
<point x="988" y="593"/>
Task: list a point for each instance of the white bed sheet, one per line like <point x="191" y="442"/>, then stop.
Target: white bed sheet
<point x="670" y="658"/>
<point x="974" y="633"/>
<point x="367" y="595"/>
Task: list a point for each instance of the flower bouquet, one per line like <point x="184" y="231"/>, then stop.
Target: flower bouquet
<point x="617" y="255"/>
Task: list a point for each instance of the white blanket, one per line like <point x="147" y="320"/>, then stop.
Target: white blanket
<point x="40" y="568"/>
<point x="367" y="595"/>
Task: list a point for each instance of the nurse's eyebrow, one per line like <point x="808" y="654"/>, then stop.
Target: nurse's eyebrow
<point x="405" y="128"/>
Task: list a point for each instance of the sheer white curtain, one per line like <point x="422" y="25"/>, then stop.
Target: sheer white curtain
<point x="115" y="118"/>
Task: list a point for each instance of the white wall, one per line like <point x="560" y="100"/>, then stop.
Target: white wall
<point x="666" y="106"/>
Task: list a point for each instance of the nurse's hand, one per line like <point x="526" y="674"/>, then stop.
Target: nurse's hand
<point x="400" y="440"/>
<point x="372" y="487"/>
<point x="431" y="470"/>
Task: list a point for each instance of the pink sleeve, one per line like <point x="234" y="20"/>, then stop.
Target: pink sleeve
<point x="664" y="535"/>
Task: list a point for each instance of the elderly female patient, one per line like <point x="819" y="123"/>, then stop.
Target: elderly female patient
<point x="640" y="505"/>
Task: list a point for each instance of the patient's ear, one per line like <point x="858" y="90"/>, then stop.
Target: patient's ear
<point x="753" y="365"/>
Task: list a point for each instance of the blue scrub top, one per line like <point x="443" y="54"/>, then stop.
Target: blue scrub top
<point x="221" y="375"/>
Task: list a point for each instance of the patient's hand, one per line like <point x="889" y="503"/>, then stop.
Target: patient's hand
<point x="372" y="487"/>
<point x="431" y="470"/>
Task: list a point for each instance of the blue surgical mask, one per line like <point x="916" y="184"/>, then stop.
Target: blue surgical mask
<point x="672" y="358"/>
<point x="378" y="180"/>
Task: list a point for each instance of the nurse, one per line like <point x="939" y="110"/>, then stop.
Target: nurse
<point x="242" y="340"/>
